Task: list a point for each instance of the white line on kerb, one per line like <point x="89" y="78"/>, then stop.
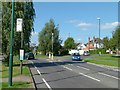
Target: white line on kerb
<point x="108" y="75"/>
<point x="83" y="68"/>
<point x="90" y="77"/>
<point x="47" y="84"/>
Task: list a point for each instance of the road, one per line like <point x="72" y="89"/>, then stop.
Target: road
<point x="65" y="73"/>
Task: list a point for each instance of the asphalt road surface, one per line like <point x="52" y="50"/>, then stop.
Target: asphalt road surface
<point x="65" y="73"/>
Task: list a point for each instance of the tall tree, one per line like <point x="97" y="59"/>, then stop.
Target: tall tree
<point x="45" y="38"/>
<point x="69" y="43"/>
<point x="116" y="37"/>
<point x="22" y="10"/>
<point x="106" y="42"/>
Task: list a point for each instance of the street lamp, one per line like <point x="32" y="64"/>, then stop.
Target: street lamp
<point x="99" y="30"/>
<point x="11" y="47"/>
<point x="52" y="45"/>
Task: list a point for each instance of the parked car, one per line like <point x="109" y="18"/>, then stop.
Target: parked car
<point x="86" y="53"/>
<point x="76" y="56"/>
<point x="29" y="55"/>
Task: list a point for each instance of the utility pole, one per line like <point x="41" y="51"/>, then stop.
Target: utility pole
<point x="11" y="47"/>
<point x="52" y="45"/>
<point x="99" y="33"/>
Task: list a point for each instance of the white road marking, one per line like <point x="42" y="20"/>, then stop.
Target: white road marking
<point x="47" y="84"/>
<point x="35" y="67"/>
<point x="109" y="75"/>
<point x="71" y="64"/>
<point x="59" y="60"/>
<point x="104" y="66"/>
<point x="67" y="68"/>
<point x="38" y="72"/>
<point x="50" y="61"/>
<point x="43" y="78"/>
<point x="90" y="77"/>
<point x="83" y="68"/>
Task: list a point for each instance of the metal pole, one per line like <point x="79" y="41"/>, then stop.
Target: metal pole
<point x="99" y="33"/>
<point x="11" y="47"/>
<point x="52" y="46"/>
<point x="21" y="48"/>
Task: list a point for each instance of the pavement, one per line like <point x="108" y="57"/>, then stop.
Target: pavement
<point x="65" y="73"/>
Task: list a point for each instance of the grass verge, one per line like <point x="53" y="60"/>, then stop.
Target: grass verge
<point x="16" y="85"/>
<point x="16" y="68"/>
<point x="104" y="60"/>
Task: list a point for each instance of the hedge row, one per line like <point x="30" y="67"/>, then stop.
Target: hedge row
<point x="103" y="51"/>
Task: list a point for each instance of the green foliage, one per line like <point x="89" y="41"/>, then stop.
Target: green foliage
<point x="116" y="38"/>
<point x="45" y="38"/>
<point x="103" y="51"/>
<point x="106" y="42"/>
<point x="22" y="10"/>
<point x="104" y="60"/>
<point x="16" y="85"/>
<point x="69" y="43"/>
<point x="63" y="51"/>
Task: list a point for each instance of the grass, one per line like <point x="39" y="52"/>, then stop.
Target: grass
<point x="41" y="56"/>
<point x="104" y="60"/>
<point x="44" y="56"/>
<point x="16" y="85"/>
<point x="16" y="68"/>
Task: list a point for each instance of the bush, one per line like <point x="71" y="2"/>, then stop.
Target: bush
<point x="6" y="60"/>
<point x="103" y="51"/>
<point x="64" y="52"/>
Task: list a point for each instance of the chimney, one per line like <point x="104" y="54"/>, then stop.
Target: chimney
<point x="88" y="42"/>
<point x="93" y="39"/>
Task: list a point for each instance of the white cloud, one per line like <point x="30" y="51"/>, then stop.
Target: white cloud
<point x="109" y="25"/>
<point x="84" y="24"/>
<point x="74" y="21"/>
<point x="34" y="33"/>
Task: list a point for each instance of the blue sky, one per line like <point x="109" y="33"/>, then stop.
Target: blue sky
<point x="78" y="19"/>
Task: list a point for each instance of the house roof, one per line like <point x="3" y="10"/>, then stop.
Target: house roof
<point x="96" y="41"/>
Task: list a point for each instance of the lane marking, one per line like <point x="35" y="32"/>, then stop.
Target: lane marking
<point x="67" y="68"/>
<point x="42" y="78"/>
<point x="109" y="75"/>
<point x="47" y="84"/>
<point x="71" y="64"/>
<point x="38" y="72"/>
<point x="89" y="77"/>
<point x="83" y="68"/>
<point x="35" y="67"/>
<point x="50" y="61"/>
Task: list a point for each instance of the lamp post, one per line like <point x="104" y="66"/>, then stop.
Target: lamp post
<point x="52" y="45"/>
<point x="99" y="30"/>
<point x="99" y="33"/>
<point x="11" y="47"/>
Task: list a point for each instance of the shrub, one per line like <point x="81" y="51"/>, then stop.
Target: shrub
<point x="103" y="51"/>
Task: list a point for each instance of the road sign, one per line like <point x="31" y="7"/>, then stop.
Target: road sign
<point x="21" y="54"/>
<point x="19" y="25"/>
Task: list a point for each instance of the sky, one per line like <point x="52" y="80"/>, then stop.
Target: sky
<point x="77" y="19"/>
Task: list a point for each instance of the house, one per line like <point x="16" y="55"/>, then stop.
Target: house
<point x="94" y="44"/>
<point x="91" y="45"/>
